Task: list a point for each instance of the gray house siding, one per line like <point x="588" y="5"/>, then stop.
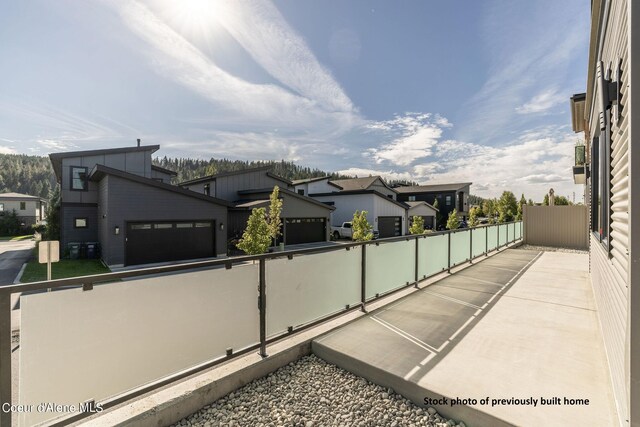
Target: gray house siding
<point x="158" y="175"/>
<point x="127" y="201"/>
<point x="70" y="234"/>
<point x="138" y="163"/>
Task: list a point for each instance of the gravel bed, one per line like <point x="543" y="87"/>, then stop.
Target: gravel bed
<point x="313" y="393"/>
<point x="551" y="249"/>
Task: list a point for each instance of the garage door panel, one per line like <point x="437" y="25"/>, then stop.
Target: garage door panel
<point x="389" y="226"/>
<point x="305" y="230"/>
<point x="169" y="241"/>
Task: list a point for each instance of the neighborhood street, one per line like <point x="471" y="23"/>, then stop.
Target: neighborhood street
<point x="12" y="256"/>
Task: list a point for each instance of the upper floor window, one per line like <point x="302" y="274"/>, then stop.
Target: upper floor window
<point x="301" y="192"/>
<point x="448" y="200"/>
<point x="1" y="207"/>
<point x="207" y="189"/>
<point x="23" y="206"/>
<point x="79" y="178"/>
<point x="412" y="198"/>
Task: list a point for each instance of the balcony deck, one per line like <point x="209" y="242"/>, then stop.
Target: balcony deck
<point x="522" y="324"/>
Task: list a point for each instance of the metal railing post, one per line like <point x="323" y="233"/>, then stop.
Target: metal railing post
<point x="486" y="240"/>
<point x="5" y="357"/>
<point x="262" y="302"/>
<point x="449" y="251"/>
<point x="363" y="280"/>
<point x="416" y="270"/>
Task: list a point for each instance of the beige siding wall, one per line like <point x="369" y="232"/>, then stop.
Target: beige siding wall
<point x="610" y="271"/>
<point x="557" y="226"/>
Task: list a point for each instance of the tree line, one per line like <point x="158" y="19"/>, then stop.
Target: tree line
<point x="20" y="173"/>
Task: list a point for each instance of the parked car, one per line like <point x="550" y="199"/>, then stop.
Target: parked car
<point x="345" y="231"/>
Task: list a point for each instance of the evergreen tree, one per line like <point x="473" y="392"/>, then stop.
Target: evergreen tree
<point x="507" y="207"/>
<point x="473" y="216"/>
<point x="52" y="215"/>
<point x="453" y="222"/>
<point x="275" y="210"/>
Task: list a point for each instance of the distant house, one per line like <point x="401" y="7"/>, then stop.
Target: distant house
<point x="385" y="214"/>
<point x="424" y="210"/>
<point x="321" y="184"/>
<point x="304" y="219"/>
<point x="449" y="196"/>
<point x="119" y="199"/>
<point x="29" y="209"/>
<point x="374" y="183"/>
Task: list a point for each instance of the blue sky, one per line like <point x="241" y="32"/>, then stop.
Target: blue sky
<point x="424" y="90"/>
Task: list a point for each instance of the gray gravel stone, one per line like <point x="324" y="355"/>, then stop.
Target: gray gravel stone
<point x="551" y="249"/>
<point x="313" y="393"/>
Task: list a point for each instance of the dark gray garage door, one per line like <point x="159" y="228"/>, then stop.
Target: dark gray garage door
<point x="304" y="230"/>
<point x="148" y="242"/>
<point x="389" y="226"/>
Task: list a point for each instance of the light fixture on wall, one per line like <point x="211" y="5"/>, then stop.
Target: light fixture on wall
<point x="221" y="226"/>
<point x="116" y="230"/>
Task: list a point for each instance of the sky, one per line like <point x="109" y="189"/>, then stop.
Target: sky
<point x="428" y="91"/>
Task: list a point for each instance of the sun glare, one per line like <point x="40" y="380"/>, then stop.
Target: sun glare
<point x="197" y="18"/>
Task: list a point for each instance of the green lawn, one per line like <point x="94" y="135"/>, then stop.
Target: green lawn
<point x="15" y="238"/>
<point x="35" y="272"/>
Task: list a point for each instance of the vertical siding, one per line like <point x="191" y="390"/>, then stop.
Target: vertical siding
<point x="557" y="226"/>
<point x="609" y="272"/>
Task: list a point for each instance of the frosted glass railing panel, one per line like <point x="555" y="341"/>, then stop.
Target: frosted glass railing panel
<point x="437" y="254"/>
<point x="492" y="236"/>
<point x="77" y="345"/>
<point x="389" y="266"/>
<point x="460" y="246"/>
<point x="519" y="230"/>
<point x="512" y="232"/>
<point x="423" y="249"/>
<point x="479" y="241"/>
<point x="310" y="287"/>
<point x="502" y="234"/>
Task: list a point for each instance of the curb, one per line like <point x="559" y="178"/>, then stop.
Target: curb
<point x="20" y="273"/>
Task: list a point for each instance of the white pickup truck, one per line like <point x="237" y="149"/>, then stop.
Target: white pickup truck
<point x="346" y="232"/>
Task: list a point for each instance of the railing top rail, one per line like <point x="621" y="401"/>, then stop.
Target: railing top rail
<point x="225" y="262"/>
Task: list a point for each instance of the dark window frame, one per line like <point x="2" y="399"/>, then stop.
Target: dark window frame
<point x="23" y="206"/>
<point x="85" y="181"/>
<point x="301" y="191"/>
<point x="207" y="189"/>
<point x="86" y="222"/>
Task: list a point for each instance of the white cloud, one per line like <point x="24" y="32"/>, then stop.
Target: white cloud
<point x="542" y="102"/>
<point x="268" y="38"/>
<point x="7" y="150"/>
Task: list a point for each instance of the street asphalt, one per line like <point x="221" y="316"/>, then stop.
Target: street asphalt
<point x="12" y="256"/>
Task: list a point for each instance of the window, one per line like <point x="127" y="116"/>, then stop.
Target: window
<point x="163" y="226"/>
<point x="390" y="196"/>
<point x="184" y="225"/>
<point x="141" y="226"/>
<point x="80" y="223"/>
<point x="604" y="174"/>
<point x="448" y="200"/>
<point x="158" y="179"/>
<point x="78" y="178"/>
<point x="23" y="206"/>
<point x="207" y="189"/>
<point x="1" y="207"/>
<point x="301" y="192"/>
<point x="412" y="198"/>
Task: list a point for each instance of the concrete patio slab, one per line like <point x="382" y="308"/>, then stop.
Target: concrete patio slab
<point x="521" y="324"/>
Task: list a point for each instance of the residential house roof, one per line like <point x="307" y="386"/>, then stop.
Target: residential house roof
<point x="431" y="188"/>
<point x="99" y="171"/>
<point x="414" y="204"/>
<point x="354" y="192"/>
<point x="238" y="172"/>
<point x="359" y="183"/>
<point x="56" y="158"/>
<point x="19" y="196"/>
<point x="163" y="170"/>
<point x="316" y="179"/>
<point x="287" y="192"/>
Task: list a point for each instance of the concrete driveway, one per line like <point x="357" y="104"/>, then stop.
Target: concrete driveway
<point x="12" y="256"/>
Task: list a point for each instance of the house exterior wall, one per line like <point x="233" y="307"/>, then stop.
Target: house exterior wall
<point x="381" y="188"/>
<point x="383" y="207"/>
<point x="32" y="213"/>
<point x="346" y="206"/>
<point x="614" y="266"/>
<point x="138" y="163"/>
<point x="68" y="233"/>
<point x="158" y="175"/>
<point x="431" y="197"/>
<point x="314" y="187"/>
<point x="421" y="210"/>
<point x="227" y="187"/>
<point x="125" y="201"/>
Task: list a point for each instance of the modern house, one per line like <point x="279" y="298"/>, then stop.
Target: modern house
<point x="29" y="209"/>
<point x="609" y="164"/>
<point x="304" y="219"/>
<point x="384" y="213"/>
<point x="321" y="184"/>
<point x="120" y="200"/>
<point x="424" y="210"/>
<point x="374" y="183"/>
<point x="449" y="196"/>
